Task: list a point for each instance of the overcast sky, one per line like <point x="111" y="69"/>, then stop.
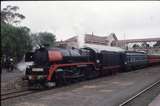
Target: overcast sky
<point x="127" y="19"/>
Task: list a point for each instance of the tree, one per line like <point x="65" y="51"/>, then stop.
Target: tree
<point x="145" y="45"/>
<point x="157" y="44"/>
<point x="135" y="46"/>
<point x="15" y="41"/>
<point x="43" y="38"/>
<point x="9" y="15"/>
<point x="35" y="40"/>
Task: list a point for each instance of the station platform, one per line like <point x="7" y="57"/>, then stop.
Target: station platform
<point x="156" y="101"/>
<point x="11" y="80"/>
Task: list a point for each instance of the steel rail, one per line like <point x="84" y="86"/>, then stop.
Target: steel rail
<point x="8" y="93"/>
<point x="16" y="94"/>
<point x="141" y="92"/>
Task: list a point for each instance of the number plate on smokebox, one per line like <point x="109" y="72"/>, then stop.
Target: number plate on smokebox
<point x="37" y="69"/>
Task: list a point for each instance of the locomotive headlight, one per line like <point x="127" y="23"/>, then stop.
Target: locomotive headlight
<point x="97" y="61"/>
<point x="37" y="69"/>
<point x="29" y="77"/>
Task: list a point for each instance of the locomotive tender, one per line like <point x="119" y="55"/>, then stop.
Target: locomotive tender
<point x="61" y="66"/>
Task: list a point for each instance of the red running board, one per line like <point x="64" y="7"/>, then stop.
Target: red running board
<point x="54" y="67"/>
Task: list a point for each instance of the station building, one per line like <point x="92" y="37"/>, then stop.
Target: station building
<point x="87" y="39"/>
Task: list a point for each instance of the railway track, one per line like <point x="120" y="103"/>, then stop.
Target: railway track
<point x="24" y="92"/>
<point x="14" y="94"/>
<point x="144" y="97"/>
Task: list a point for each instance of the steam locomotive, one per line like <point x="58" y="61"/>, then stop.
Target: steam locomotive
<point x="56" y="66"/>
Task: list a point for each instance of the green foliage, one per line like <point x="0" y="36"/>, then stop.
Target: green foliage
<point x="43" y="38"/>
<point x="15" y="41"/>
<point x="145" y="45"/>
<point x="135" y="46"/>
<point x="9" y="15"/>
